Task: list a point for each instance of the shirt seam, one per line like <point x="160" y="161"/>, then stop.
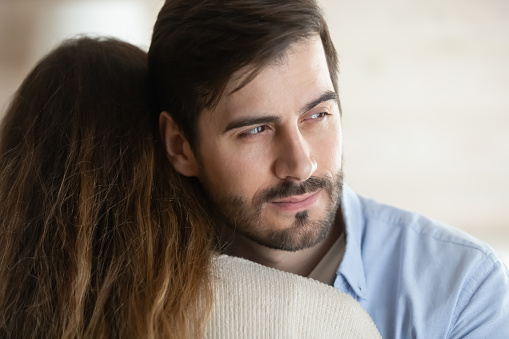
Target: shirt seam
<point x="358" y="294"/>
<point x="475" y="279"/>
<point x="486" y="253"/>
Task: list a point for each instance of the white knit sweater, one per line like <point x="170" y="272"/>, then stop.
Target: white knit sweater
<point x="254" y="301"/>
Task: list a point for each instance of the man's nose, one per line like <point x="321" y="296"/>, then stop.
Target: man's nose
<point x="294" y="159"/>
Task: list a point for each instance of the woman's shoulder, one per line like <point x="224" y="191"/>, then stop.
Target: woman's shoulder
<point x="252" y="300"/>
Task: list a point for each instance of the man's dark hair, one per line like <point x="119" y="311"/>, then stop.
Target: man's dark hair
<point x="197" y="45"/>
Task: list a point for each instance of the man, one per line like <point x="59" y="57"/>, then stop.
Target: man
<point x="248" y="94"/>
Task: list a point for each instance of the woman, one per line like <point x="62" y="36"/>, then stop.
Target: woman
<point x="90" y="234"/>
<point x="99" y="238"/>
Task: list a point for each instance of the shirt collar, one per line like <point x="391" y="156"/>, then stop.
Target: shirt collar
<point x="352" y="267"/>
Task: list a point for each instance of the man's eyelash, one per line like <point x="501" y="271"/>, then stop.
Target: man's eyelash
<point x="247" y="134"/>
<point x="322" y="114"/>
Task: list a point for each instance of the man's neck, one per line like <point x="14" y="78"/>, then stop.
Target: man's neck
<point x="300" y="262"/>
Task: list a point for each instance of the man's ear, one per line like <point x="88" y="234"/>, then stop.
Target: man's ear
<point x="178" y="149"/>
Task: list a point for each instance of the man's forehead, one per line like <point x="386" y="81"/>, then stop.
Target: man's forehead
<point x="290" y="82"/>
<point x="246" y="74"/>
<point x="301" y="74"/>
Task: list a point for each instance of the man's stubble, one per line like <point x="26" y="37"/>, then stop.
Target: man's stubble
<point x="245" y="218"/>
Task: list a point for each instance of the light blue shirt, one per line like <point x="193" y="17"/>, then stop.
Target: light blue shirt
<point x="418" y="278"/>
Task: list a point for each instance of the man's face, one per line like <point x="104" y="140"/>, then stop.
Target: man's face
<point x="270" y="153"/>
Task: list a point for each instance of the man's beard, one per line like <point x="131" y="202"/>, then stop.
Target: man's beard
<point x="303" y="233"/>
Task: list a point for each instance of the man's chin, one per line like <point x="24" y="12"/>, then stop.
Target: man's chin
<point x="299" y="236"/>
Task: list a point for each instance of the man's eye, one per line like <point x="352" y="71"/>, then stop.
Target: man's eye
<point x="253" y="131"/>
<point x="318" y="115"/>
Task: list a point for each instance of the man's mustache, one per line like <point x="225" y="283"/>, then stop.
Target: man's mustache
<point x="287" y="189"/>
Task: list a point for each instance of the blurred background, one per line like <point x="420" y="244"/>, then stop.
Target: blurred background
<point x="424" y="86"/>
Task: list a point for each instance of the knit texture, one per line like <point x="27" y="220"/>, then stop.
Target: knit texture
<point x="254" y="301"/>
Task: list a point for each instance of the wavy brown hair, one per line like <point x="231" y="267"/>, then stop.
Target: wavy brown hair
<point x="98" y="237"/>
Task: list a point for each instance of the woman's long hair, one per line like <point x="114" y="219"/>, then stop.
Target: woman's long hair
<point x="98" y="236"/>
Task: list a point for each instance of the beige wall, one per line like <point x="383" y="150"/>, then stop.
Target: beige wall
<point x="424" y="86"/>
<point x="425" y="91"/>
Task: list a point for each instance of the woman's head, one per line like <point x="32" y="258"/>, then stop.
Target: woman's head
<point x="95" y="234"/>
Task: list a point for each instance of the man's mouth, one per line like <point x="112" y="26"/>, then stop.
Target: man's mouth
<point x="296" y="202"/>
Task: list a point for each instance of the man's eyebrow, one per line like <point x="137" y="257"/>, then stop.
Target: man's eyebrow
<point x="242" y="122"/>
<point x="329" y="95"/>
